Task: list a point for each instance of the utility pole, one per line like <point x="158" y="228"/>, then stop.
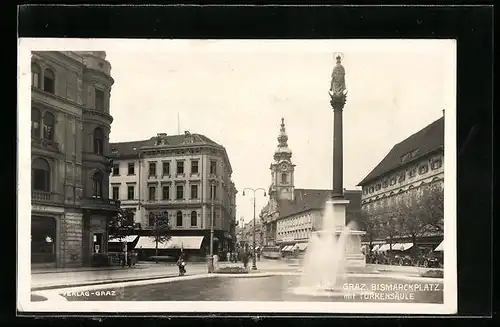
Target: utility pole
<point x="254" y="263"/>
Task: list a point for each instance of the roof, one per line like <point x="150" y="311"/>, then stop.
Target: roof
<point x="311" y="199"/>
<point x="424" y="142"/>
<point x="130" y="148"/>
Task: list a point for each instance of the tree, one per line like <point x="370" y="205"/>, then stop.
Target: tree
<point x="161" y="228"/>
<point x="419" y="213"/>
<point x="122" y="224"/>
<point x="432" y="206"/>
<point x="370" y="223"/>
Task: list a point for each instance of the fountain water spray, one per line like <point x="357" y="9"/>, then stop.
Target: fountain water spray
<point x="324" y="265"/>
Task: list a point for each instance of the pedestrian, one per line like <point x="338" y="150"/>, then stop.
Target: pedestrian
<point x="228" y="256"/>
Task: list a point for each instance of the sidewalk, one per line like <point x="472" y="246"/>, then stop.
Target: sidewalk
<point x="72" y="277"/>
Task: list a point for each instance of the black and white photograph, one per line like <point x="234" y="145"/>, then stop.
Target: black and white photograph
<point x="237" y="176"/>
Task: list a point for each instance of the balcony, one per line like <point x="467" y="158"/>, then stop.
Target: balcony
<point x="97" y="203"/>
<point x="46" y="197"/>
<point x="45" y="144"/>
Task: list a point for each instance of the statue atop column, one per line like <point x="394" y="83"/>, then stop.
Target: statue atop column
<point x="338" y="90"/>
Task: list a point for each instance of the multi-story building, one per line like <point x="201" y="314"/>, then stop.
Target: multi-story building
<point x="292" y="214"/>
<point x="70" y="126"/>
<point x="408" y="168"/>
<point x="188" y="176"/>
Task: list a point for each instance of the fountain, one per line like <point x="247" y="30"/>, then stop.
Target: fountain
<point x="336" y="249"/>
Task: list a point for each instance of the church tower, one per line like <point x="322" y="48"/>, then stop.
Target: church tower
<point x="282" y="184"/>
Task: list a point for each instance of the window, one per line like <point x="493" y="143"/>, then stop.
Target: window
<point x="377" y="187"/>
<point x="152" y="169"/>
<point x="213" y="167"/>
<point x="35" y="75"/>
<point x="436" y="164"/>
<point x="412" y="172"/>
<point x="179" y="192"/>
<point x="49" y="81"/>
<point x="131" y="168"/>
<point x="284" y="178"/>
<point x="423" y="169"/>
<point x="151" y="219"/>
<point x="152" y="193"/>
<point x="130" y="192"/>
<point x="97" y="179"/>
<point x="385" y="184"/>
<point x="371" y="190"/>
<point x="116" y="170"/>
<point x="40" y="175"/>
<point x="48" y="126"/>
<point x="194" y="167"/>
<point x="401" y="178"/>
<point x="194" y="191"/>
<point x="393" y="180"/>
<point x="99" y="100"/>
<point x="98" y="141"/>
<point x="180" y="167"/>
<point x="35" y="122"/>
<point x="213" y="192"/>
<point x="116" y="192"/>
<point x="194" y="219"/>
<point x="166" y="168"/>
<point x="179" y="219"/>
<point x="166" y="192"/>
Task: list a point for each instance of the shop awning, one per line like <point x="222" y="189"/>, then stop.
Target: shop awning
<point x="440" y="247"/>
<point x="375" y="247"/>
<point x="287" y="248"/>
<point x="302" y="246"/>
<point x="402" y="246"/>
<point x="363" y="248"/>
<point x="175" y="242"/>
<point x="383" y="248"/>
<point x="128" y="239"/>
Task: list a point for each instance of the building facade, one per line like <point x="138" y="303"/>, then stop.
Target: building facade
<point x="292" y="214"/>
<point x="188" y="176"/>
<point x="410" y="167"/>
<point x="70" y="126"/>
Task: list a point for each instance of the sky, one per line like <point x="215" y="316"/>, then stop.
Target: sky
<point x="236" y="92"/>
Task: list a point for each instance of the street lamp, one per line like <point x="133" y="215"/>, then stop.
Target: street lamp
<point x="212" y="195"/>
<point x="254" y="263"/>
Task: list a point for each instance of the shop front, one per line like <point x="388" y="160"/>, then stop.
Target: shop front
<point x="44" y="240"/>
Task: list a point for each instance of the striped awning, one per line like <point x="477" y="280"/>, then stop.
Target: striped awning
<point x="302" y="246"/>
<point x="175" y="242"/>
<point x="375" y="247"/>
<point x="383" y="248"/>
<point x="440" y="247"/>
<point x="402" y="246"/>
<point x="128" y="239"/>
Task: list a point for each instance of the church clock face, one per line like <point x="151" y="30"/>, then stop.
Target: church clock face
<point x="284" y="167"/>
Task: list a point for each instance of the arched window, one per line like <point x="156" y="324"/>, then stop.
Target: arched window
<point x="40" y="175"/>
<point x="194" y="219"/>
<point x="283" y="178"/>
<point x="48" y="126"/>
<point x="98" y="140"/>
<point x="97" y="180"/>
<point x="179" y="218"/>
<point x="35" y="75"/>
<point x="36" y="117"/>
<point x="49" y="81"/>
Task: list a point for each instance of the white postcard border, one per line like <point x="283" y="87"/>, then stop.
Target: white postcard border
<point x="26" y="45"/>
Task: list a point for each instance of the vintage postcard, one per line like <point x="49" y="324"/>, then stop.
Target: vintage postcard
<point x="237" y="176"/>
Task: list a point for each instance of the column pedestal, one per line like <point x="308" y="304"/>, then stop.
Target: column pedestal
<point x="354" y="257"/>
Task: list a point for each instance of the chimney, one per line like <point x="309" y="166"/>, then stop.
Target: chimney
<point x="443" y="112"/>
